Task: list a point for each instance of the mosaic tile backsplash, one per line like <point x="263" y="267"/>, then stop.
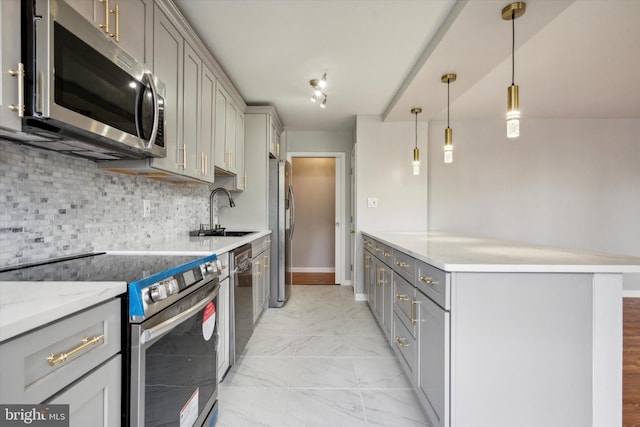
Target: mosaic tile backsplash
<point x="53" y="205"/>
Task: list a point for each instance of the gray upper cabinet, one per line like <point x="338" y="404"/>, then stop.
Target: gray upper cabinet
<point x="10" y="57"/>
<point x="204" y="114"/>
<point x="127" y="22"/>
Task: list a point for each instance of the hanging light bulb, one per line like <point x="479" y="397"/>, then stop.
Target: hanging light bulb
<point x="314" y="98"/>
<point x="323" y="104"/>
<point x="511" y="12"/>
<point x="323" y="81"/>
<point x="416" y="152"/>
<point x="448" y="132"/>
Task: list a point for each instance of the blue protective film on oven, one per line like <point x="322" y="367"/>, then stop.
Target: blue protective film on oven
<point x="136" y="305"/>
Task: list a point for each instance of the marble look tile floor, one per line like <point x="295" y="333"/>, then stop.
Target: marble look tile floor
<point x="320" y="361"/>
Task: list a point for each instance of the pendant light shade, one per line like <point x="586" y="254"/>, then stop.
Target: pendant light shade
<point x="416" y="152"/>
<point x="448" y="132"/>
<point x="510" y="13"/>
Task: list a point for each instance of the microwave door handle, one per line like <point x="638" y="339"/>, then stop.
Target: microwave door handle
<point x="160" y="329"/>
<point x="156" y="111"/>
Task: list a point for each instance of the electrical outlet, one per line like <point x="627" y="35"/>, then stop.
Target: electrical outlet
<point x="372" y="202"/>
<point x="146" y="208"/>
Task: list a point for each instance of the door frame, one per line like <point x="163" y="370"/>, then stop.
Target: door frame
<point x="340" y="212"/>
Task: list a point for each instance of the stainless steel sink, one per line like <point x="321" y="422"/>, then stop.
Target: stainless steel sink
<point x="220" y="232"/>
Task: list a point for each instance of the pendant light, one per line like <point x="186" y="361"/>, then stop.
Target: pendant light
<point x="512" y="12"/>
<point x="416" y="152"/>
<point x="448" y="132"/>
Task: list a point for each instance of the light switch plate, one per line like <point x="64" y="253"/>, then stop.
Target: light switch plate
<point x="372" y="202"/>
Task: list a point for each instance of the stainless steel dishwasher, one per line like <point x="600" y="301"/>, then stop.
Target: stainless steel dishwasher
<point x="242" y="285"/>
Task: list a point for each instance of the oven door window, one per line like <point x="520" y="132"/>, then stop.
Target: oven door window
<point x="181" y="374"/>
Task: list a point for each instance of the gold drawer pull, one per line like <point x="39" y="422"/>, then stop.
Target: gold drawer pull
<point x="413" y="310"/>
<point x="428" y="280"/>
<point x="402" y="297"/>
<point x="378" y="250"/>
<point x="86" y="342"/>
<point x="402" y="264"/>
<point x="387" y="254"/>
<point x="402" y="342"/>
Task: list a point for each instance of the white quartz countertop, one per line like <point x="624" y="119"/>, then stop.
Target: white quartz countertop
<point x="459" y="253"/>
<point x="29" y="305"/>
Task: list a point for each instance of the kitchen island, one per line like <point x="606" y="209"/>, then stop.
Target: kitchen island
<point x="496" y="333"/>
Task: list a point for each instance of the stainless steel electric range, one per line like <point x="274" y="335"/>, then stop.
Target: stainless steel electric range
<point x="171" y="331"/>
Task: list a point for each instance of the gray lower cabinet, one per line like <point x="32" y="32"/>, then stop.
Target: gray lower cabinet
<point x="433" y="353"/>
<point x="94" y="400"/>
<point x="73" y="361"/>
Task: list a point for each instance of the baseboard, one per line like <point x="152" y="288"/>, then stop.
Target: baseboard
<point x="362" y="297"/>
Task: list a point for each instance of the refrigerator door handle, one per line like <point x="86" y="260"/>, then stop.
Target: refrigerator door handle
<point x="292" y="213"/>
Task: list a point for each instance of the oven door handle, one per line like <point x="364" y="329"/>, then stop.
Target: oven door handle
<point x="157" y="331"/>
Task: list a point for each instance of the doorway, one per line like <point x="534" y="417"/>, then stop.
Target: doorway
<point x="318" y="241"/>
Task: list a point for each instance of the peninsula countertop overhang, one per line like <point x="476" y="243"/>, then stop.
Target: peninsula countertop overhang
<point x="459" y="253"/>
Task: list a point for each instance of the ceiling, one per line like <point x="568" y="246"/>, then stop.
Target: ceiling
<point x="574" y="58"/>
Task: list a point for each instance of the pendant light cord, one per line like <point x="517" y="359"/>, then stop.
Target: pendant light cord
<point x="448" y="83"/>
<point x="416" y="129"/>
<point x="513" y="46"/>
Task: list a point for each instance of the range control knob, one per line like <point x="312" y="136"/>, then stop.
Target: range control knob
<point x="158" y="292"/>
<point x="210" y="267"/>
<point x="171" y="286"/>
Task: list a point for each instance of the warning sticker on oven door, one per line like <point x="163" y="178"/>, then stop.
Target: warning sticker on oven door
<point x="189" y="412"/>
<point x="209" y="321"/>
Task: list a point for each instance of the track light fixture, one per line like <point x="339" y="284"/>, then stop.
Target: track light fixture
<point x="448" y="132"/>
<point x="416" y="152"/>
<point x="510" y="13"/>
<point x="318" y="85"/>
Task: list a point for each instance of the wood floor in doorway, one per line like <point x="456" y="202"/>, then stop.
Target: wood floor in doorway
<point x="314" y="278"/>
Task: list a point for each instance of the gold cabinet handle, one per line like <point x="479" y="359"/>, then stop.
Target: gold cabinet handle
<point x="105" y="26"/>
<point x="116" y="13"/>
<point x="86" y="342"/>
<point x="378" y="250"/>
<point x="244" y="178"/>
<point x="387" y="254"/>
<point x="184" y="156"/>
<point x="203" y="166"/>
<point x="402" y="297"/>
<point x="428" y="280"/>
<point x="402" y="342"/>
<point x="413" y="310"/>
<point x="402" y="264"/>
<point x="19" y="73"/>
<point x="380" y="276"/>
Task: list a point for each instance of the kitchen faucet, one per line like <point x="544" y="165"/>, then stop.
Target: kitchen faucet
<point x="212" y="223"/>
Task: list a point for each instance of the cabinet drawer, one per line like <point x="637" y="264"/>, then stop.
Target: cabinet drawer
<point x="405" y="266"/>
<point x="385" y="253"/>
<point x="433" y="282"/>
<point x="404" y="303"/>
<point x="32" y="366"/>
<point x="367" y="243"/>
<point x="406" y="347"/>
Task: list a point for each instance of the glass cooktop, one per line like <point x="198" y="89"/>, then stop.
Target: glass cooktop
<point x="99" y="267"/>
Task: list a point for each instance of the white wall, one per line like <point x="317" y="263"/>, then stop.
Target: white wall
<point x="384" y="153"/>
<point x="384" y="156"/>
<point x="569" y="183"/>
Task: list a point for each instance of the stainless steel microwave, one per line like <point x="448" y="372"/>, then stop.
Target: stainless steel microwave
<point x="85" y="95"/>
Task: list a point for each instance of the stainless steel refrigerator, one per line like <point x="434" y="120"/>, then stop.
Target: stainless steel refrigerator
<point x="282" y="211"/>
